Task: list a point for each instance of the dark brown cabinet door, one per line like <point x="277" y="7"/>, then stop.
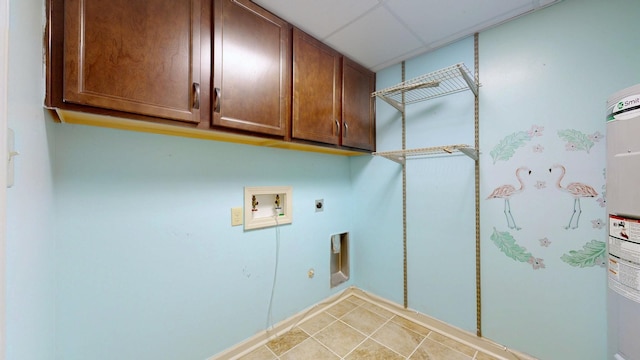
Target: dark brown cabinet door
<point x="141" y="57"/>
<point x="252" y="66"/>
<point x="316" y="90"/>
<point x="358" y="108"/>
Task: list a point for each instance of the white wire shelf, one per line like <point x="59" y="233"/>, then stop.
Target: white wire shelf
<point x="452" y="79"/>
<point x="400" y="156"/>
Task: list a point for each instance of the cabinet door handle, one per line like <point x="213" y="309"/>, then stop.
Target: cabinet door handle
<point x="196" y="96"/>
<point x="338" y="126"/>
<point x="346" y="129"/>
<point x="218" y="100"/>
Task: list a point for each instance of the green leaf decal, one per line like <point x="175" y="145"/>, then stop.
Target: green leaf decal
<point x="508" y="146"/>
<point x="590" y="255"/>
<point x="507" y="244"/>
<point x="576" y="140"/>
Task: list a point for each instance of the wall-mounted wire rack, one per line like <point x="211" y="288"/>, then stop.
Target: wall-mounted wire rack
<point x="453" y="79"/>
<point x="450" y="80"/>
<point x="400" y="156"/>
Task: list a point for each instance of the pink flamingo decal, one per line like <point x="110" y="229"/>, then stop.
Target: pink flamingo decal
<point x="576" y="190"/>
<point x="506" y="192"/>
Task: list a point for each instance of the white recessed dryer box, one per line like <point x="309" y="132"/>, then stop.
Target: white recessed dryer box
<point x="266" y="206"/>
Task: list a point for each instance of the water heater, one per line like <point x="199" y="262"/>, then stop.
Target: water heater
<point x="623" y="207"/>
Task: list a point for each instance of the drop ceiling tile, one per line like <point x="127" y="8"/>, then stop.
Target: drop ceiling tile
<point x="374" y="38"/>
<point x="438" y="23"/>
<point x="379" y="33"/>
<point x="319" y="18"/>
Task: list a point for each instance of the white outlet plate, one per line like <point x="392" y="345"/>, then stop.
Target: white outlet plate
<point x="266" y="206"/>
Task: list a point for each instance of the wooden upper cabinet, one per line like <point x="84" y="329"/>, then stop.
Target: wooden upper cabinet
<point x="140" y="57"/>
<point x="317" y="77"/>
<point x="252" y="67"/>
<point x="332" y="101"/>
<point x="358" y="107"/>
<point x="227" y="67"/>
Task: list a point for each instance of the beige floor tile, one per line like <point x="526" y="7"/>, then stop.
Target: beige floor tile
<point x="398" y="338"/>
<point x="378" y="310"/>
<point x="309" y="349"/>
<point x="341" y="308"/>
<point x="452" y="343"/>
<point x="317" y="323"/>
<point x="261" y="353"/>
<point x="364" y="320"/>
<point x="411" y="325"/>
<point x="483" y="356"/>
<point x="284" y="343"/>
<point x="340" y="338"/>
<point x="371" y="350"/>
<point x="356" y="300"/>
<point x="432" y="350"/>
<point x="355" y="328"/>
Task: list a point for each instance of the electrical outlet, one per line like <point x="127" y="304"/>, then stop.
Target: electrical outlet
<point x="236" y="216"/>
<point x="319" y="205"/>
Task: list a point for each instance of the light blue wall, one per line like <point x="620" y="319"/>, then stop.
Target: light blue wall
<point x="149" y="265"/>
<point x="440" y="203"/>
<point x="127" y="251"/>
<point x="30" y="263"/>
<point x="377" y="186"/>
<point x="545" y="79"/>
<point x="553" y="70"/>
<point x="441" y="254"/>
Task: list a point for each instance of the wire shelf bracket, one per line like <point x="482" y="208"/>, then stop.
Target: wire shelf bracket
<point x="453" y="79"/>
<point x="450" y="80"/>
<point x="400" y="156"/>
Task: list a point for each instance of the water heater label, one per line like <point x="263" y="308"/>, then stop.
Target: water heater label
<point x="628" y="104"/>
<point x="624" y="256"/>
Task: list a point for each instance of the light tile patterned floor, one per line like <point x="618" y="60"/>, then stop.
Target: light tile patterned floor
<point x="354" y="329"/>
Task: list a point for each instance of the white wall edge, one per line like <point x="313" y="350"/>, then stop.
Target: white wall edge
<point x="4" y="66"/>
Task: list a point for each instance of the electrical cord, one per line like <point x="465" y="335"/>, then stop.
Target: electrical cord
<point x="269" y="325"/>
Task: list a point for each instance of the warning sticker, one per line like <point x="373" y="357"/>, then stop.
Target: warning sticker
<point x="624" y="256"/>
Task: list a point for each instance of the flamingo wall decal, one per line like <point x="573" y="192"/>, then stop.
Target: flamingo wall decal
<point x="506" y="192"/>
<point x="576" y="190"/>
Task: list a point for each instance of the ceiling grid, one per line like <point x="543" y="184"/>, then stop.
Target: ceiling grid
<point x="381" y="33"/>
